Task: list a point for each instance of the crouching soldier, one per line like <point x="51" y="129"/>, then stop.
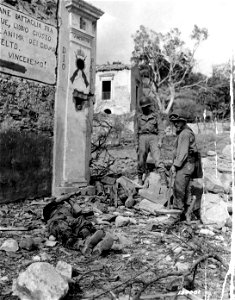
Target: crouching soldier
<point x="149" y="135"/>
<point x="185" y="158"/>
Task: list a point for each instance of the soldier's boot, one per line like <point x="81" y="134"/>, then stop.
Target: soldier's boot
<point x="189" y="211"/>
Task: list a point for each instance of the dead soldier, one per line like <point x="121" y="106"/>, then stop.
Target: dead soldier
<point x="149" y="134"/>
<point x="185" y="157"/>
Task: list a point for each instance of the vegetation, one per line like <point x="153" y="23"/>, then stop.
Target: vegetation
<point x="167" y="69"/>
<point x="164" y="62"/>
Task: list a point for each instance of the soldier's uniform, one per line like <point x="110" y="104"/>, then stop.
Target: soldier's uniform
<point x="184" y="162"/>
<point x="149" y="133"/>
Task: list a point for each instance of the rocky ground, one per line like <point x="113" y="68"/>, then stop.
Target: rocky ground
<point x="148" y="258"/>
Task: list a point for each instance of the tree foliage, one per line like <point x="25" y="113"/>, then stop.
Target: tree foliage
<point x="165" y="62"/>
<point x="215" y="95"/>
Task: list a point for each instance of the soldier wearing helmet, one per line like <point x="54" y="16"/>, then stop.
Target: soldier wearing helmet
<point x="183" y="166"/>
<point x="149" y="134"/>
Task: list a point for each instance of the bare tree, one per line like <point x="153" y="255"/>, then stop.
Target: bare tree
<point x="165" y="62"/>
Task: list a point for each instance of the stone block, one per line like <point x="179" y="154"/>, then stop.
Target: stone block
<point x="89" y="190"/>
<point x="214" y="210"/>
<point x="121" y="221"/>
<point x="10" y="245"/>
<point x="40" y="281"/>
<point x="153" y="192"/>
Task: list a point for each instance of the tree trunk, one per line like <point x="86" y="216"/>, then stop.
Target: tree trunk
<point x="172" y="98"/>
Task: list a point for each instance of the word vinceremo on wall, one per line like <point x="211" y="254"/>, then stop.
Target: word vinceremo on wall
<point x="27" y="46"/>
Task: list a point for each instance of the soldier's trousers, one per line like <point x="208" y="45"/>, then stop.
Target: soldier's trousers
<point x="181" y="186"/>
<point x="148" y="143"/>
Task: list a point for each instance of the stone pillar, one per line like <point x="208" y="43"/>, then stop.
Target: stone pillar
<point x="74" y="95"/>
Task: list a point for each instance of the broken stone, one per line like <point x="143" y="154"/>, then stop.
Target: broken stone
<point x="229" y="223"/>
<point x="44" y="256"/>
<point x="212" y="266"/>
<point x="89" y="190"/>
<point x="133" y="221"/>
<point x="27" y="244"/>
<point x="168" y="258"/>
<point x="36" y="258"/>
<point x="205" y="231"/>
<point x="227" y="152"/>
<point x="4" y="279"/>
<point x="153" y="190"/>
<point x="182" y="267"/>
<point x="121" y="221"/>
<point x="38" y="241"/>
<point x="211" y="153"/>
<point x="64" y="269"/>
<point x="117" y="247"/>
<point x="108" y="217"/>
<point x="40" y="281"/>
<point x="177" y="250"/>
<point x="51" y="238"/>
<point x="213" y="185"/>
<point x="214" y="211"/>
<point x="108" y="180"/>
<point x="10" y="245"/>
<point x="155" y="209"/>
<point x="154" y="224"/>
<point x="149" y="206"/>
<point x="130" y="202"/>
<point x="105" y="245"/>
<point x="49" y="243"/>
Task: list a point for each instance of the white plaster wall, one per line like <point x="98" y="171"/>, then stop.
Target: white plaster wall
<point x="120" y="92"/>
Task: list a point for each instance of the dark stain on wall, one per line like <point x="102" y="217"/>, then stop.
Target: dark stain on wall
<point x="26" y="138"/>
<point x="12" y="66"/>
<point x="26" y="122"/>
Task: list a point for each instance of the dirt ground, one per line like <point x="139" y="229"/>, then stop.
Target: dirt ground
<point x="141" y="253"/>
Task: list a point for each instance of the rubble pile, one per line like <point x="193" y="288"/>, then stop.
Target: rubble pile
<point x="115" y="238"/>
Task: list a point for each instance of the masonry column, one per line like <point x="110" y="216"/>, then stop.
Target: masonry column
<point x="74" y="95"/>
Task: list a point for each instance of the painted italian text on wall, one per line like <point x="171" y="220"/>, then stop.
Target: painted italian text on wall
<point x="27" y="46"/>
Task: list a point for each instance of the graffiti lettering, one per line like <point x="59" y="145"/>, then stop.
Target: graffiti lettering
<point x="27" y="60"/>
<point x="5" y="22"/>
<point x="42" y="36"/>
<point x="27" y="20"/>
<point x="14" y="35"/>
<point x="21" y="28"/>
<point x="5" y="11"/>
<point x="9" y="44"/>
<point x="27" y="42"/>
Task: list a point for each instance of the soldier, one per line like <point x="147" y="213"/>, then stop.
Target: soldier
<point x="184" y="158"/>
<point x="149" y="134"/>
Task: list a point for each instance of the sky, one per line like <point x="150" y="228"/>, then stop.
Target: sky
<point x="122" y="19"/>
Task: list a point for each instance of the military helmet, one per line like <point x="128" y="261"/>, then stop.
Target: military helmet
<point x="178" y="115"/>
<point x="145" y="101"/>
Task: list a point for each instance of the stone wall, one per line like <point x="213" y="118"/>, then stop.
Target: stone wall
<point x="26" y="122"/>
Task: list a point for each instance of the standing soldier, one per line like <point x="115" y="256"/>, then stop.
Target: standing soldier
<point x="149" y="134"/>
<point x="185" y="155"/>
